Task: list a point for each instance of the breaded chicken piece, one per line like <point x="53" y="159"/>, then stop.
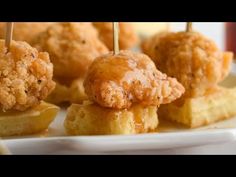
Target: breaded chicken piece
<point x="127" y="36"/>
<point x="25" y="76"/>
<point x="25" y="31"/>
<point x="118" y="81"/>
<point x="194" y="60"/>
<point x="72" y="48"/>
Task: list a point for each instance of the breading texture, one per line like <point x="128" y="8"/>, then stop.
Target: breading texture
<point x="118" y="81"/>
<point x="127" y="36"/>
<point x="72" y="47"/>
<point x="25" y="76"/>
<point x="25" y="31"/>
<point x="194" y="60"/>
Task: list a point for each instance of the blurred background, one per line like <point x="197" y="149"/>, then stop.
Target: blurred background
<point x="214" y="30"/>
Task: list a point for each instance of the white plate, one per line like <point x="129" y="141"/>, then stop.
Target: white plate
<point x="55" y="141"/>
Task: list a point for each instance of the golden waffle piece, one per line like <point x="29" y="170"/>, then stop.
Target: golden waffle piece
<point x="200" y="111"/>
<point x="91" y="119"/>
<point x="31" y="121"/>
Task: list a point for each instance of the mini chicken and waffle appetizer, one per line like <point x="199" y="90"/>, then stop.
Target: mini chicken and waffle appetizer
<point x="125" y="91"/>
<point x="197" y="63"/>
<point x="26" y="80"/>
<point x="72" y="48"/>
<point x="128" y="37"/>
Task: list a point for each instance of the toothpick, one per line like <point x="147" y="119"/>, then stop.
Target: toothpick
<point x="9" y="31"/>
<point x="116" y="37"/>
<point x="189" y="27"/>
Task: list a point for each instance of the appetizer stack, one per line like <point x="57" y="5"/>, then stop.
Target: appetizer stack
<point x="26" y="80"/>
<point x="199" y="65"/>
<point x="126" y="90"/>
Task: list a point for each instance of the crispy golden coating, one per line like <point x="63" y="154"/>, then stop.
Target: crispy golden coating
<point x="190" y="57"/>
<point x="25" y="76"/>
<point x="25" y="31"/>
<point x="127" y="36"/>
<point x="72" y="47"/>
<point x="118" y="81"/>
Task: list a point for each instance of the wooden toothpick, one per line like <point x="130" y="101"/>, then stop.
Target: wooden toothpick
<point x="189" y="27"/>
<point x="9" y="31"/>
<point x="116" y="37"/>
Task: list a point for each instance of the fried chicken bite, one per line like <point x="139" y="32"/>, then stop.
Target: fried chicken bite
<point x="72" y="48"/>
<point x="127" y="37"/>
<point x="25" y="76"/>
<point x="190" y="57"/>
<point x="25" y="31"/>
<point x="118" y="81"/>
